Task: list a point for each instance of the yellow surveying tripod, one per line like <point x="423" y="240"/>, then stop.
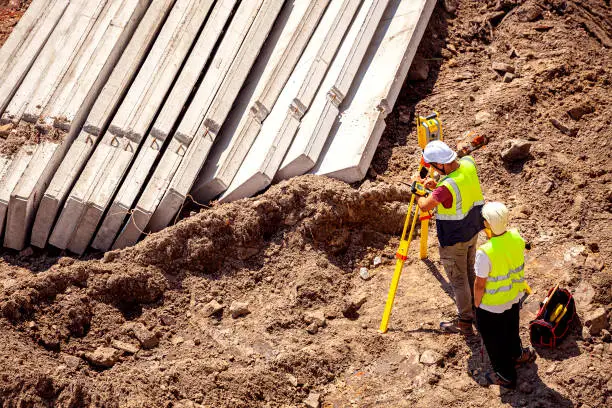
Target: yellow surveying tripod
<point x="428" y="129"/>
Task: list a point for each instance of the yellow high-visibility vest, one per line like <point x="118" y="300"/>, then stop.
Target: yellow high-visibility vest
<point x="464" y="186"/>
<point x="507" y="277"/>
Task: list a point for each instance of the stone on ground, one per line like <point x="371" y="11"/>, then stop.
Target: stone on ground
<point x="145" y="337"/>
<point x="103" y="357"/>
<point x="239" y="309"/>
<point x="430" y="357"/>
<point x="517" y="149"/>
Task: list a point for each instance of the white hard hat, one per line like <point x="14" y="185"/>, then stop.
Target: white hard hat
<point x="496" y="214"/>
<point x="438" y="152"/>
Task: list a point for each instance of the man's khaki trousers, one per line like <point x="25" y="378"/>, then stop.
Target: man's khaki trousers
<point x="458" y="261"/>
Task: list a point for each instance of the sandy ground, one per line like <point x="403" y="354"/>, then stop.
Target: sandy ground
<point x="260" y="303"/>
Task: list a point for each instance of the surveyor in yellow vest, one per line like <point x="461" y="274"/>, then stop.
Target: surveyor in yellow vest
<point x="458" y="200"/>
<point x="499" y="286"/>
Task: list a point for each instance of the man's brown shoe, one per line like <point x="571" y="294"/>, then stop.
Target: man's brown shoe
<point x="458" y="326"/>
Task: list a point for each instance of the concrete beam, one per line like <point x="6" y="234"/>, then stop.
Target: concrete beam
<point x="98" y="119"/>
<point x="78" y="87"/>
<point x="166" y="192"/>
<point x="349" y="152"/>
<point x="264" y="85"/>
<point x="187" y="173"/>
<point x="266" y="153"/>
<point x="54" y="60"/>
<point x="21" y="205"/>
<point x="21" y="49"/>
<point x="152" y="147"/>
<point x="131" y="122"/>
<point x="13" y="169"/>
<point x="320" y="118"/>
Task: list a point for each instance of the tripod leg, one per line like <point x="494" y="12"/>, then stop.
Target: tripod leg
<point x="424" y="236"/>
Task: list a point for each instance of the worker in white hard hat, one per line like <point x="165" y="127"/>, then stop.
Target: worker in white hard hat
<point x="498" y="288"/>
<point x="458" y="200"/>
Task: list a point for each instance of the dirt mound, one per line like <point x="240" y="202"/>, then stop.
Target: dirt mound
<point x="74" y="308"/>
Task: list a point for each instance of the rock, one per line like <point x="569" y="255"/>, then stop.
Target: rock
<point x="517" y="149"/>
<point x="583" y="295"/>
<point x="463" y="76"/>
<point x="586" y="334"/>
<point x="145" y="337"/>
<point x="377" y="261"/>
<point x="167" y="320"/>
<point x="551" y="369"/>
<point x="446" y="53"/>
<point x="430" y="357"/>
<point x="109" y="256"/>
<point x="317" y="317"/>
<point x="185" y="403"/>
<point x="210" y="309"/>
<point x="72" y="361"/>
<point x="127" y="347"/>
<point x="419" y="70"/>
<point x="404" y="115"/>
<point x="598" y="349"/>
<point x="605" y="336"/>
<point x="292" y="380"/>
<point x="5" y="130"/>
<point x="526" y="387"/>
<point x="176" y="340"/>
<point x="502" y="67"/>
<point x="103" y="357"/>
<point x="353" y="304"/>
<point x="312" y="328"/>
<point x="528" y="12"/>
<point x="579" y="111"/>
<point x="596" y="321"/>
<point x="508" y="77"/>
<point x="238" y="309"/>
<point x="595" y="262"/>
<point x="564" y="129"/>
<point x="482" y="117"/>
<point x="26" y="252"/>
<point x="313" y="400"/>
<point x="321" y="263"/>
<point x="450" y="6"/>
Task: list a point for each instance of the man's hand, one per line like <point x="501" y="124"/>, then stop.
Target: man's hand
<point x="479" y="288"/>
<point x="430" y="184"/>
<point x="427" y="203"/>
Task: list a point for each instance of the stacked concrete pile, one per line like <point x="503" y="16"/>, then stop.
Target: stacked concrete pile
<point x="56" y="95"/>
<point x="145" y="104"/>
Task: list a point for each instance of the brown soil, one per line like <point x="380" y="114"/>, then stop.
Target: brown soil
<point x="28" y="134"/>
<point x="294" y="254"/>
<point x="10" y="13"/>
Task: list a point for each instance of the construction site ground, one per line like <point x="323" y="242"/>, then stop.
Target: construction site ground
<point x="260" y="302"/>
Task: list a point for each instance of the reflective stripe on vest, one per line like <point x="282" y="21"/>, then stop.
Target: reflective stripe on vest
<point x="506" y="278"/>
<point x="465" y="197"/>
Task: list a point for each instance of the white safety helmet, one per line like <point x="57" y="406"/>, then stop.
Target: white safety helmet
<point x="438" y="152"/>
<point x="496" y="214"/>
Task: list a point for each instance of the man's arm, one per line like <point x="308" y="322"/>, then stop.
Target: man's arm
<point x="479" y="288"/>
<point x="427" y="203"/>
<point x="482" y="268"/>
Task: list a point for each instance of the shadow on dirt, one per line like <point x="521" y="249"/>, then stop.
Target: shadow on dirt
<point x="35" y="260"/>
<point x="436" y="273"/>
<point x="568" y="347"/>
<point x="531" y="391"/>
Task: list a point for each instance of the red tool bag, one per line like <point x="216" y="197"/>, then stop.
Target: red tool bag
<point x="552" y="323"/>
